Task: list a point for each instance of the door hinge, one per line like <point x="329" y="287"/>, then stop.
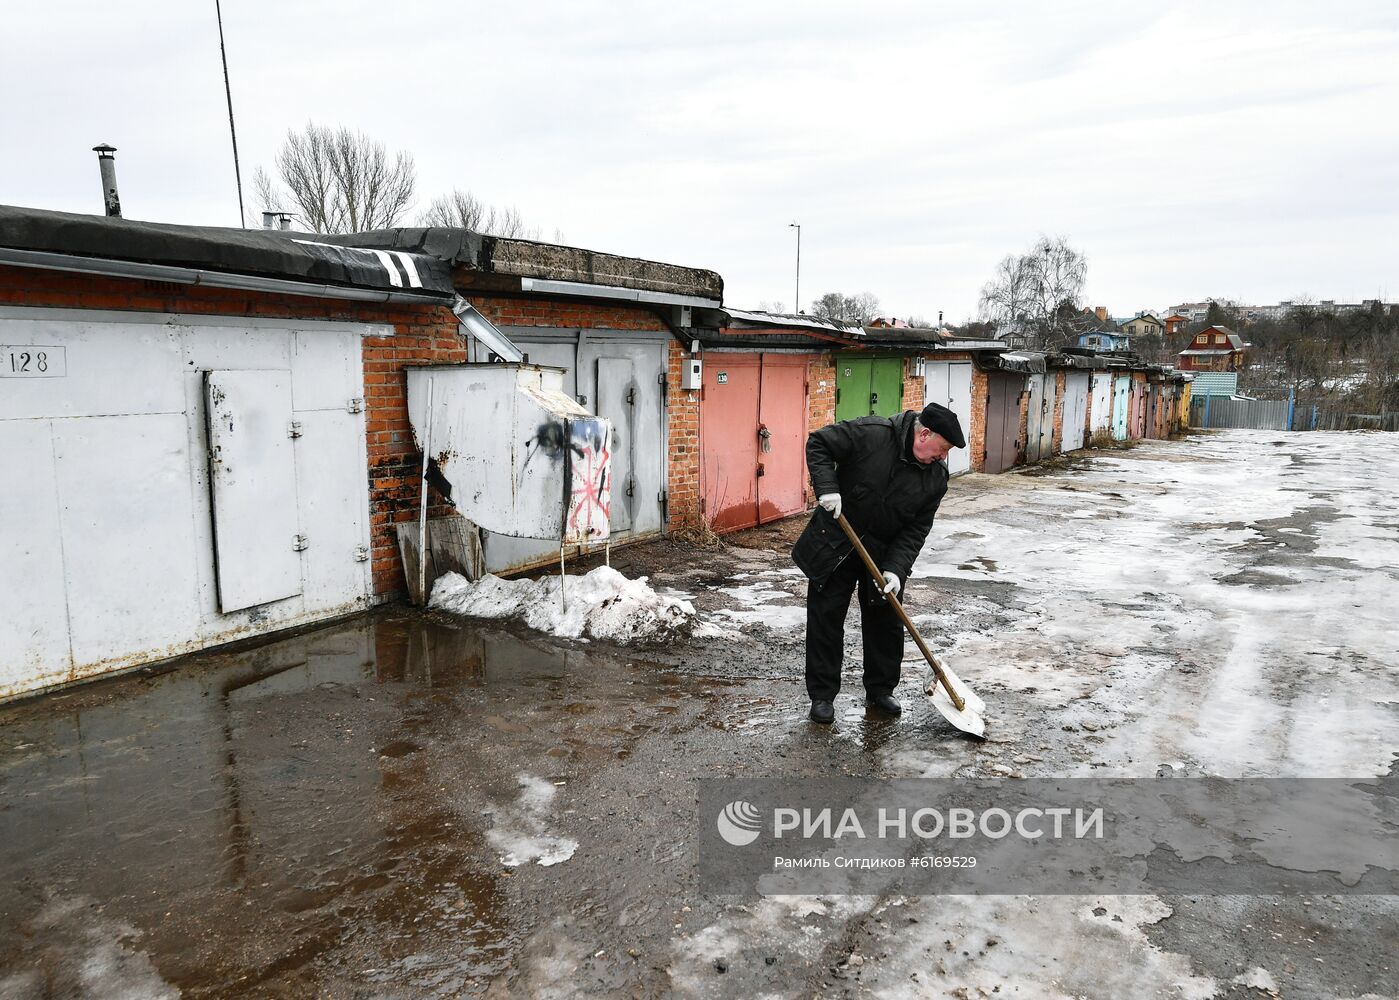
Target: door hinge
<point x="299" y="543"/>
<point x="294" y="429"/>
<point x="631" y="395"/>
<point x="703" y="504"/>
<point x="355" y="405"/>
<point x="665" y="388"/>
<point x="631" y="486"/>
<point x="662" y="497"/>
<point x="361" y="553"/>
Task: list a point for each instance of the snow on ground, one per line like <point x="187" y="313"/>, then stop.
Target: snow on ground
<point x="602" y="604"/>
<point x="518" y="831"/>
<point x="1045" y="947"/>
<point x="1230" y="597"/>
<point x="86" y="954"/>
<point x="758" y="607"/>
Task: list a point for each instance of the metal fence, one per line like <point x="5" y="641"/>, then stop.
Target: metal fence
<point x="1283" y="414"/>
<point x="1309" y="417"/>
<point x="1258" y="414"/>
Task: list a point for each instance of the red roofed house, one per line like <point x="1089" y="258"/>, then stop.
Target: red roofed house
<point x="1217" y="349"/>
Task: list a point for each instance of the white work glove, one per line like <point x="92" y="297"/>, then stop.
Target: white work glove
<point x="831" y="501"/>
<point x="891" y="582"/>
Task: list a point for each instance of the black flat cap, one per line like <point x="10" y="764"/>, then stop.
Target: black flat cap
<point x="941" y="420"/>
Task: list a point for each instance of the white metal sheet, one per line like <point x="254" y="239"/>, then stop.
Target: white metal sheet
<point x="325" y="370"/>
<point x="1034" y="418"/>
<point x="127" y="537"/>
<point x="109" y="368"/>
<point x="33" y="616"/>
<point x="253" y="476"/>
<point x="950" y="384"/>
<point x="1075" y="409"/>
<point x="617" y="394"/>
<point x="1101" y="406"/>
<point x="333" y="489"/>
<point x="959" y="400"/>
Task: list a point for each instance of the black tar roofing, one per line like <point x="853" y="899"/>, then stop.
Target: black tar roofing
<point x="270" y="253"/>
<point x="546" y="261"/>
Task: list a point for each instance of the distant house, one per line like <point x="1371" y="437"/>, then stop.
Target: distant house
<point x="1175" y="323"/>
<point x="1144" y="324"/>
<point x="1217" y="349"/>
<point x="1105" y="340"/>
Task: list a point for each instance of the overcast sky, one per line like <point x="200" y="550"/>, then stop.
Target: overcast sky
<point x="1189" y="149"/>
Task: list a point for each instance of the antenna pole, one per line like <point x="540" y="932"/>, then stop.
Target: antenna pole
<point x="228" y="92"/>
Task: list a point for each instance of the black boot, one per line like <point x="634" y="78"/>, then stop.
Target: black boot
<point x="885" y="703"/>
<point x="823" y="712"/>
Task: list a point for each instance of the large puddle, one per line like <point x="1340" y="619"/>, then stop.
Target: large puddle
<point x="344" y="808"/>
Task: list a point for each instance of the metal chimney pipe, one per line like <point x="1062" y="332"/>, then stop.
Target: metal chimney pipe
<point x="269" y="220"/>
<point x="284" y="223"/>
<point x="107" y="163"/>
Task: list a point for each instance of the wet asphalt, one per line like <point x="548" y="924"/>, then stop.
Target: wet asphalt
<point x="407" y="804"/>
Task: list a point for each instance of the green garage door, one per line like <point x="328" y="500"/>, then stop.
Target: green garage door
<point x="866" y="386"/>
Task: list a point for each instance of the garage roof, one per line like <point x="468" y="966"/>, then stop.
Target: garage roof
<point x="302" y="257"/>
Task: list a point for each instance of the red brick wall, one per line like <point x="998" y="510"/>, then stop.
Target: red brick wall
<point x="421" y="333"/>
<point x="821" y="391"/>
<point x="506" y="310"/>
<point x="1023" y="435"/>
<point x="820" y="403"/>
<point x="682" y="414"/>
<point x="913" y="386"/>
<point x="976" y="434"/>
<point x="1057" y="440"/>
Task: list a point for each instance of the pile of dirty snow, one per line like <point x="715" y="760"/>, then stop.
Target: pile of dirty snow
<point x="602" y="604"/>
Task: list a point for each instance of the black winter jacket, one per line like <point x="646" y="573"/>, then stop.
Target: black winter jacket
<point x="888" y="496"/>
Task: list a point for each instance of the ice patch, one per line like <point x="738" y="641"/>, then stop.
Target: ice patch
<point x="85" y="954"/>
<point x="1257" y="978"/>
<point x="518" y="832"/>
<point x="1049" y="947"/>
<point x="602" y="604"/>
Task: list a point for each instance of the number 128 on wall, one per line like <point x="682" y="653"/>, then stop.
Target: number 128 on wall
<point x="32" y="361"/>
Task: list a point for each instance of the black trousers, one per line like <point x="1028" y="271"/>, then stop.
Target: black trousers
<point x="881" y="629"/>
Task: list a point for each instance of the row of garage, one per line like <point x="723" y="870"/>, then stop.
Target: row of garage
<point x="211" y="436"/>
<point x="1016" y="408"/>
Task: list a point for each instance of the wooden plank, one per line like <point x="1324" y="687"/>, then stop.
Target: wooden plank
<point x="453" y="546"/>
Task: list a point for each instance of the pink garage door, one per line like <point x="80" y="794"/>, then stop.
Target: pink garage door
<point x="729" y="440"/>
<point x="752" y="438"/>
<point x="781" y="436"/>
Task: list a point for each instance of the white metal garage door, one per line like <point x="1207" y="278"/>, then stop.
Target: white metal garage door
<point x="1100" y="415"/>
<point x="950" y="383"/>
<point x="618" y="375"/>
<point x="111" y="550"/>
<point x="1075" y="409"/>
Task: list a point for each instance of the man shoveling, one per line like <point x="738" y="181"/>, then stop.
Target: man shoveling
<point x="887" y="476"/>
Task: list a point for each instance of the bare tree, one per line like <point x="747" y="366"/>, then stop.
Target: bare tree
<point x="463" y="210"/>
<point x="859" y="308"/>
<point x="1034" y="297"/>
<point x="338" y="181"/>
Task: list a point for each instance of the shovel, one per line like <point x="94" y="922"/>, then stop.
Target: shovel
<point x="957" y="703"/>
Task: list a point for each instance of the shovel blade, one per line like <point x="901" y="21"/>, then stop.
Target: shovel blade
<point x="969" y="697"/>
<point x="968" y="720"/>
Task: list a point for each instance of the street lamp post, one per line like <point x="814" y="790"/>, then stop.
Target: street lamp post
<point x="797" y="295"/>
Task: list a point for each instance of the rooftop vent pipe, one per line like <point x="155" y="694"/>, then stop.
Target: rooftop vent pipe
<point x="276" y="220"/>
<point x="107" y="163"/>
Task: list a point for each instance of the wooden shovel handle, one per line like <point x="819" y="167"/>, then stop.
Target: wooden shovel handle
<point x="903" y="615"/>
